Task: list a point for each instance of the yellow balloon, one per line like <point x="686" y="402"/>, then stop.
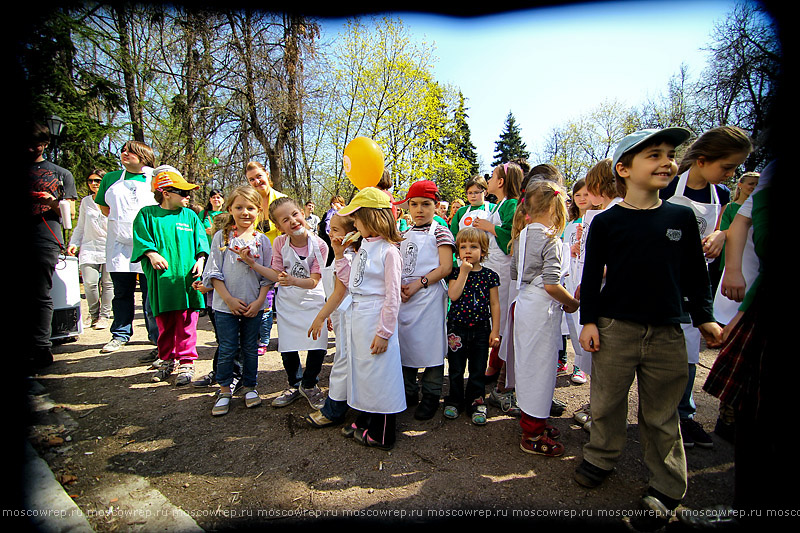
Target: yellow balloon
<point x="363" y="162"/>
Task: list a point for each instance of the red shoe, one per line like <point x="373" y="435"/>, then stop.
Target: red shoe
<point x="542" y="445"/>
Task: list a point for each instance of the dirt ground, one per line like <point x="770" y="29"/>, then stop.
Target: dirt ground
<point x="108" y="426"/>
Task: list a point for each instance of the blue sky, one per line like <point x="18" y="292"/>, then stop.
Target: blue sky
<point x="549" y="65"/>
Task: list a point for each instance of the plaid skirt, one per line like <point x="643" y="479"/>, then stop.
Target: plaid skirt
<point x="737" y="372"/>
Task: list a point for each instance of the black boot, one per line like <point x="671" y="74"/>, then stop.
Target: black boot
<point x="427" y="407"/>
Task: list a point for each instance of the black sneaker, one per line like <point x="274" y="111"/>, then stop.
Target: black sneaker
<point x="557" y="408"/>
<point x="149" y="357"/>
<point x="693" y="434"/>
<point x="427" y="407"/>
<point x="205" y="381"/>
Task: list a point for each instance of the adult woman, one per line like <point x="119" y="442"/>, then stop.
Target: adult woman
<point x="89" y="236"/>
<point x="457" y="204"/>
<point x="213" y="208"/>
<point x="258" y="177"/>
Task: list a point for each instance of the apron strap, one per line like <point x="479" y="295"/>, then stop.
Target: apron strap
<point x="523" y="237"/>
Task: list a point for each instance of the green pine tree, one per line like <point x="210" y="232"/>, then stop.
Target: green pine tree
<point x="510" y="145"/>
<point x="463" y="137"/>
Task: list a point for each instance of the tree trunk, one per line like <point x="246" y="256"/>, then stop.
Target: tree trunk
<point x="129" y="74"/>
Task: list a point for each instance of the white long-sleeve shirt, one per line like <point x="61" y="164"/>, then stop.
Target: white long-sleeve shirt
<point x="90" y="233"/>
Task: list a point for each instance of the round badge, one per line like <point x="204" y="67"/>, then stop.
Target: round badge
<point x="468" y="221"/>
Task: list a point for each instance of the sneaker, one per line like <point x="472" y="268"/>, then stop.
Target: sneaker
<point x="164" y="371"/>
<point x="590" y="476"/>
<point x="582" y="415"/>
<point x="236" y="384"/>
<point x="561" y="368"/>
<point x="363" y="437"/>
<point x="222" y="404"/>
<point x="315" y="397"/>
<point x="263" y="349"/>
<point x="542" y="445"/>
<point x="479" y="414"/>
<point x="149" y="357"/>
<point x="451" y="412"/>
<point x="655" y="517"/>
<point x="206" y="381"/>
<point x="506" y="401"/>
<point x="693" y="433"/>
<point x="155" y="365"/>
<point x="102" y="323"/>
<point x="578" y="376"/>
<point x="427" y="407"/>
<point x="185" y="374"/>
<point x="318" y="420"/>
<point x="112" y="346"/>
<point x="287" y="397"/>
<point x="251" y="397"/>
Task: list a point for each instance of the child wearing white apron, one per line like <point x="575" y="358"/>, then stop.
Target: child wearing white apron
<point x="422" y="322"/>
<point x="375" y="373"/>
<point x="296" y="309"/>
<point x="534" y="326"/>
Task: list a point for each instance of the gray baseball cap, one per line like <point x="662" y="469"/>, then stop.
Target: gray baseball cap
<point x="675" y="135"/>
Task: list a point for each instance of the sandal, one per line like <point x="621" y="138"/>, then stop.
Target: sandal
<point x="222" y="405"/>
<point x="552" y="431"/>
<point x="363" y="437"/>
<point x="450" y="411"/>
<point x="251" y="397"/>
<point x="349" y="431"/>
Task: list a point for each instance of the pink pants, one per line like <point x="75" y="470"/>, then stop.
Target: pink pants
<point x="177" y="335"/>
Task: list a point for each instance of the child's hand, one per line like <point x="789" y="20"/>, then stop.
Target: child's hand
<point x="286" y="280"/>
<point x="330" y="324"/>
<point x="197" y="269"/>
<point x="712" y="245"/>
<point x="712" y="333"/>
<point x="467" y="267"/>
<point x="237" y="306"/>
<point x="379" y="345"/>
<point x="407" y="291"/>
<point x="734" y="286"/>
<point x="198" y="286"/>
<point x="252" y="309"/>
<point x="244" y="255"/>
<point x="590" y="338"/>
<point x="337" y="247"/>
<point x="494" y="338"/>
<point x="482" y="224"/>
<point x="575" y="249"/>
<point x="315" y="329"/>
<point x="157" y="261"/>
<point x="577" y="294"/>
<point x="71" y="249"/>
<point x="571" y="307"/>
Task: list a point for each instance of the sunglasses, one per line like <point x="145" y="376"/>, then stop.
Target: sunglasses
<point x="179" y="192"/>
<point x="95" y="180"/>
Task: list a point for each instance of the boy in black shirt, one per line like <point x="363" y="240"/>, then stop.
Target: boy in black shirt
<point x="655" y="279"/>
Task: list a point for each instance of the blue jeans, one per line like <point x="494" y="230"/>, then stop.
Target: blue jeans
<point x="334" y="410"/>
<point x="123" y="306"/>
<point x="237" y="335"/>
<point x="266" y="327"/>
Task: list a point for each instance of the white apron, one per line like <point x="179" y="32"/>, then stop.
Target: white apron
<point x="535" y="329"/>
<point x="500" y="262"/>
<point x="375" y="380"/>
<point x="124" y="199"/>
<point x="422" y="321"/>
<point x="724" y="308"/>
<point x="571" y="280"/>
<point x="707" y="216"/>
<point x="472" y="214"/>
<point x="297" y="307"/>
<point x="338" y="381"/>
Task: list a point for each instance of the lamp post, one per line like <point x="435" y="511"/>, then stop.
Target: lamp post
<point x="56" y="125"/>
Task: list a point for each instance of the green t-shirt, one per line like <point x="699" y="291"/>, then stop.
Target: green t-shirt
<point x="506" y="211"/>
<point x="724" y="223"/>
<point x="179" y="237"/>
<point x="110" y="179"/>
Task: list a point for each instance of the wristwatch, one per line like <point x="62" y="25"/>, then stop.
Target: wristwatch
<point x="424" y="281"/>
